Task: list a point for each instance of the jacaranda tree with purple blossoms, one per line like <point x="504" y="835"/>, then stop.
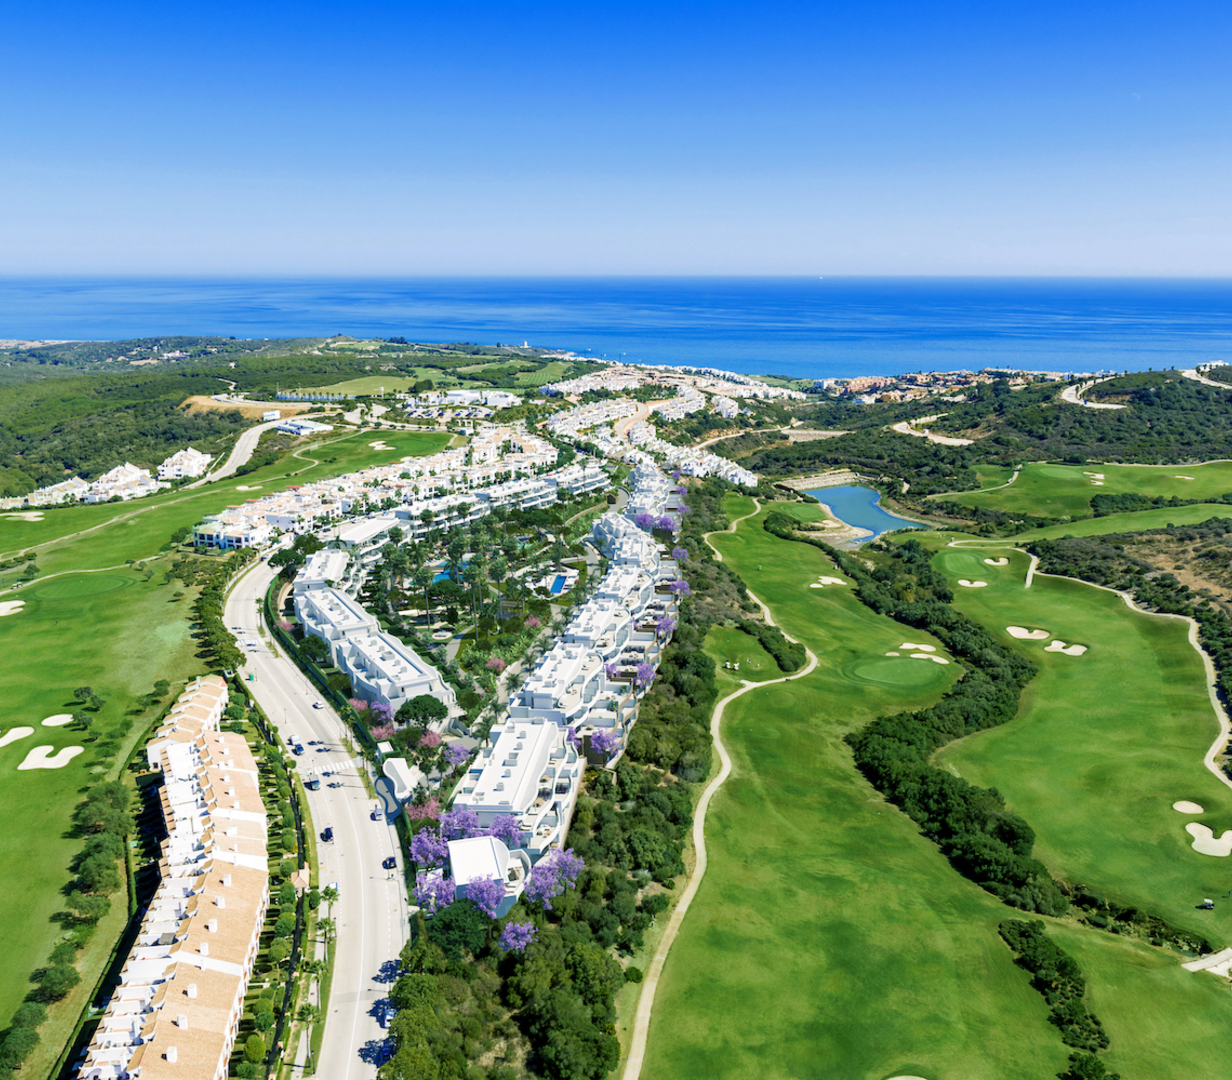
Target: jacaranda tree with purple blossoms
<point x="433" y="891"/>
<point x="680" y="588"/>
<point x="552" y="875"/>
<point x="428" y="848"/>
<point x="456" y="754"/>
<point x="507" y="829"/>
<point x="666" y="523"/>
<point x="666" y="626"/>
<point x="644" y="675"/>
<point x="604" y="742"/>
<point x="517" y="935"/>
<point x="460" y="823"/>
<point x="644" y="521"/>
<point x="486" y="893"/>
<point x="680" y="554"/>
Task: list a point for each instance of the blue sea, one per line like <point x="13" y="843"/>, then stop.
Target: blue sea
<point x="795" y="327"/>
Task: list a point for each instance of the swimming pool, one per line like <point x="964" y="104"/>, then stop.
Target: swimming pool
<point x="558" y="586"/>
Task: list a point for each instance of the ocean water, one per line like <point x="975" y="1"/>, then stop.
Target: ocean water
<point x="861" y="507"/>
<point x="796" y="327"/>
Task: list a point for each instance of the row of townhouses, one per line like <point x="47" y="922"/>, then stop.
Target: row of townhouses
<point x="177" y="1008"/>
<point x="579" y="703"/>
<point x="502" y="467"/>
<point x="381" y="668"/>
<point x="688" y="459"/>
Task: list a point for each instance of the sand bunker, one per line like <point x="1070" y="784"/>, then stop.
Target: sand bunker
<point x="816" y="585"/>
<point x="997" y="562"/>
<point x="1216" y="963"/>
<point x="1023" y="634"/>
<point x="831" y="580"/>
<point x="380" y="444"/>
<point x="917" y="648"/>
<point x="11" y="607"/>
<point x="893" y="654"/>
<point x="929" y="656"/>
<point x="28" y="515"/>
<point x="1184" y="806"/>
<point x="1058" y="645"/>
<point x="1094" y="475"/>
<point x="41" y="757"/>
<point x="971" y="584"/>
<point x="1097" y="483"/>
<point x="13" y="734"/>
<point x="245" y="487"/>
<point x="1182" y="477"/>
<point x="59" y="720"/>
<point x="1207" y="842"/>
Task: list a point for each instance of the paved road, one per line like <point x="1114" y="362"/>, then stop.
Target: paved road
<point x="371" y="913"/>
<point x="245" y="446"/>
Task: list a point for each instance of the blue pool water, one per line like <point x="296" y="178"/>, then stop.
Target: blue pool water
<point x="861" y="507"/>
<point x="558" y="585"/>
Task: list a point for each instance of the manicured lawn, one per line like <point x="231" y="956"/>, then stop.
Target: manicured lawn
<point x="1060" y="490"/>
<point x="829" y="939"/>
<point x="1132" y="522"/>
<point x="1104" y="744"/>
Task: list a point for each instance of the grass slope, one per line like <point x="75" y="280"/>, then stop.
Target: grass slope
<point x="828" y="939"/>
<point x="1060" y="490"/>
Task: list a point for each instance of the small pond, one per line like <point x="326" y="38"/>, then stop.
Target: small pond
<point x="861" y="507"/>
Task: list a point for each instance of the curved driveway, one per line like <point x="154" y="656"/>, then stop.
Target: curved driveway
<point x="371" y="913"/>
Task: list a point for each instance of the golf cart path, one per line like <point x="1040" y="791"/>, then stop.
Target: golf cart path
<point x="1212" y="684"/>
<point x="641" y="1019"/>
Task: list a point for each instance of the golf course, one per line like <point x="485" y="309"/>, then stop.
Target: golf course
<point x="830" y="939"/>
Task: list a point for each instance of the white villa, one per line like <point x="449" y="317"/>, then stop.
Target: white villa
<point x="487" y="857"/>
<point x="184" y="464"/>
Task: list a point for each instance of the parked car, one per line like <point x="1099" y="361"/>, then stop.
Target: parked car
<point x="389" y="863"/>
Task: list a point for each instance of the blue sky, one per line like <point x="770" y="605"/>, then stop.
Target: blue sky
<point x="511" y="138"/>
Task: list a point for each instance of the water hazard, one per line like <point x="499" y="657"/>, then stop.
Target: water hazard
<point x="861" y="507"/>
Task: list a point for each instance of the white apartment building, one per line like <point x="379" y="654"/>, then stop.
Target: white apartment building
<point x="184" y="464"/>
<point x="72" y="488"/>
<point x="320" y="570"/>
<point x="124" y="481"/>
<point x="380" y="667"/>
<point x="486" y="857"/>
<point x="531" y="771"/>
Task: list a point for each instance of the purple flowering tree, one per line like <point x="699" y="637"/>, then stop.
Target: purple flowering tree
<point x="644" y="521"/>
<point x="571" y="737"/>
<point x="604" y="742"/>
<point x="508" y="830"/>
<point x="680" y="554"/>
<point x="552" y="875"/>
<point x="381" y="713"/>
<point x="460" y="824"/>
<point x="644" y="675"/>
<point x="666" y="626"/>
<point x="486" y="893"/>
<point x="433" y="891"/>
<point x="456" y="754"/>
<point x="666" y="523"/>
<point x="684" y="508"/>
<point x="428" y="848"/>
<point x="612" y="671"/>
<point x="680" y="588"/>
<point x="517" y="935"/>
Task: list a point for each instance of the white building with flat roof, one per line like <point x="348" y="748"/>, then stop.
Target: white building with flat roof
<point x="382" y="668"/>
<point x="320" y="570"/>
<point x="485" y="857"/>
<point x="528" y="770"/>
<point x="333" y="616"/>
<point x="566" y="682"/>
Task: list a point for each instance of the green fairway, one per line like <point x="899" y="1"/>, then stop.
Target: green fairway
<point x="828" y="939"/>
<point x="730" y="645"/>
<point x="1104" y="744"/>
<point x="1131" y="522"/>
<point x="1066" y="490"/>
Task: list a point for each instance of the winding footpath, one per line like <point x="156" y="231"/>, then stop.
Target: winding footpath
<point x="641" y="1019"/>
